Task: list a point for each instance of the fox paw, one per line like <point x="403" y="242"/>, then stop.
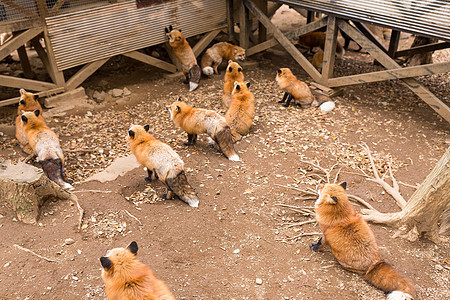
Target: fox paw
<point x="186" y="81"/>
<point x="314" y="247"/>
<point x="148" y="179"/>
<point x="281" y="101"/>
<point x="167" y="196"/>
<point x="187" y="144"/>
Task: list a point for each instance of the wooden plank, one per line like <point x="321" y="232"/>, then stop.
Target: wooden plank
<point x="25" y="63"/>
<point x="57" y="75"/>
<point x="310" y="16"/>
<point x="230" y="19"/>
<point x="389" y="63"/>
<point x="56" y="7"/>
<point x="393" y="43"/>
<point x="423" y="48"/>
<point x="84" y="73"/>
<point x="204" y="42"/>
<point x="42" y="8"/>
<point x="330" y="50"/>
<point x="316" y="25"/>
<point x="17" y="41"/>
<point x="369" y="34"/>
<point x="244" y="24"/>
<point x="20" y="8"/>
<point x="284" y="41"/>
<point x="262" y="32"/>
<point x="42" y="55"/>
<point x="391" y="74"/>
<point x="27" y="84"/>
<point x="151" y="61"/>
<point x="19" y="25"/>
<point x="172" y="56"/>
<point x="261" y="47"/>
<point x="40" y="94"/>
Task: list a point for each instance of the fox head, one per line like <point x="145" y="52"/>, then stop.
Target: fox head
<point x="240" y="87"/>
<point x="234" y="68"/>
<point x="332" y="204"/>
<point x="28" y="100"/>
<point x="31" y="118"/>
<point x="174" y="35"/>
<point x="117" y="260"/>
<point x="238" y="52"/>
<point x="283" y="73"/>
<point x="178" y="109"/>
<point x="137" y="131"/>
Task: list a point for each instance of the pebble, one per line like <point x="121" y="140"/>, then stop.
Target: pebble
<point x="126" y="92"/>
<point x="69" y="241"/>
<point x="439" y="267"/>
<point x="236" y="251"/>
<point x="258" y="281"/>
<point x="116" y="92"/>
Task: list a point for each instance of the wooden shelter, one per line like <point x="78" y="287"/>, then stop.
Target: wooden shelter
<point x="89" y="32"/>
<point x="429" y="18"/>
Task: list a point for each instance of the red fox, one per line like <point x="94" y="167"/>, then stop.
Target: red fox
<point x="241" y="113"/>
<point x="197" y="121"/>
<point x="317" y="39"/>
<point x="162" y="163"/>
<point x="232" y="74"/>
<point x="213" y="56"/>
<point x="317" y="60"/>
<point x="126" y="278"/>
<point x="353" y="243"/>
<point x="186" y="56"/>
<point x="299" y="91"/>
<point x="27" y="102"/>
<point x="45" y="144"/>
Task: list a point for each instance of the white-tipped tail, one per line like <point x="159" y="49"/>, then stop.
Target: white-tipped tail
<point x="397" y="295"/>
<point x="208" y="71"/>
<point x="67" y="186"/>
<point x="234" y="157"/>
<point x="210" y="141"/>
<point x="194" y="203"/>
<point x="192" y="86"/>
<point x="327" y="106"/>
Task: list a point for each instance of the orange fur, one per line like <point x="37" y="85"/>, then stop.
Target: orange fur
<point x="241" y="113"/>
<point x="317" y="39"/>
<point x="352" y="242"/>
<point x="213" y="56"/>
<point x="317" y="60"/>
<point x="182" y="50"/>
<point x="298" y="89"/>
<point x="126" y="278"/>
<point x="232" y="74"/>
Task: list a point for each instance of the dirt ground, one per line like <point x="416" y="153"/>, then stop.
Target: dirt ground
<point x="239" y="243"/>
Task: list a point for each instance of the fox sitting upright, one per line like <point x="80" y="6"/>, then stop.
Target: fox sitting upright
<point x="353" y="243"/>
<point x="232" y="74"/>
<point x="241" y="113"/>
<point x="162" y="163"/>
<point x="126" y="278"/>
<point x="186" y="56"/>
<point x="45" y="145"/>
<point x="213" y="57"/>
<point x="27" y="102"/>
<point x="198" y="120"/>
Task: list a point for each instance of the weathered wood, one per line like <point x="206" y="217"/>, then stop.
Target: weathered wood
<point x="28" y="84"/>
<point x="20" y="25"/>
<point x="42" y="8"/>
<point x="152" y="61"/>
<point x="25" y="188"/>
<point x="330" y="50"/>
<point x="172" y="56"/>
<point x="18" y="41"/>
<point x="204" y="42"/>
<point x="244" y="25"/>
<point x="42" y="55"/>
<point x="369" y="35"/>
<point x="284" y="41"/>
<point x="423" y="48"/>
<point x="40" y="94"/>
<point x="84" y="73"/>
<point x="20" y="8"/>
<point x="393" y="43"/>
<point x="262" y="32"/>
<point x="25" y="62"/>
<point x="389" y="63"/>
<point x="422" y="58"/>
<point x="56" y="73"/>
<point x="407" y="72"/>
<point x="230" y="20"/>
<point x="56" y="7"/>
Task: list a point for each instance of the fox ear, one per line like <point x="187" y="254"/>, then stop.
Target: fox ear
<point x="37" y="112"/>
<point x="36" y="97"/>
<point x="170" y="27"/>
<point x="106" y="262"/>
<point x="179" y="30"/>
<point x="22" y="101"/>
<point x="133" y="247"/>
<point x="22" y="92"/>
<point x="166" y="30"/>
<point x="239" y="69"/>
<point x="230" y="61"/>
<point x="279" y="71"/>
<point x="248" y="84"/>
<point x="179" y="99"/>
<point x="146" y="127"/>
<point x="24" y="119"/>
<point x="344" y="185"/>
<point x="131" y="133"/>
<point x="177" y="108"/>
<point x="330" y="200"/>
<point x="335" y="199"/>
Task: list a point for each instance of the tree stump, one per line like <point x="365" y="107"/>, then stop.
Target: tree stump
<point x="25" y="189"/>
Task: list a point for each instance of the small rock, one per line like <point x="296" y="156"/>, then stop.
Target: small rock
<point x="439" y="267"/>
<point x="7" y="264"/>
<point x="79" y="251"/>
<point x="1" y="133"/>
<point x="258" y="281"/>
<point x="69" y="241"/>
<point x="75" y="278"/>
<point x="236" y="251"/>
<point x="99" y="96"/>
<point x="126" y="92"/>
<point x="89" y="114"/>
<point x="116" y="93"/>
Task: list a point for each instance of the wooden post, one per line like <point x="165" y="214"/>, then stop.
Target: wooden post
<point x="57" y="74"/>
<point x="230" y="20"/>
<point x="204" y="42"/>
<point x="172" y="56"/>
<point x="330" y="50"/>
<point x="84" y="73"/>
<point x="25" y="63"/>
<point x="393" y="43"/>
<point x="262" y="32"/>
<point x="310" y="16"/>
<point x="244" y="23"/>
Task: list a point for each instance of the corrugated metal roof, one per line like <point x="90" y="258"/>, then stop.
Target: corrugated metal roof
<point x="424" y="17"/>
<point x="89" y="35"/>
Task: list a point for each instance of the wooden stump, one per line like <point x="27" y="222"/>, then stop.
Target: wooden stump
<point x="25" y="188"/>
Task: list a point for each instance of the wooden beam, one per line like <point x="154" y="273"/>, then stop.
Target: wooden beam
<point x="172" y="56"/>
<point x="204" y="42"/>
<point x="369" y="34"/>
<point x="389" y="63"/>
<point x="230" y="19"/>
<point x="393" y="43"/>
<point x="330" y="50"/>
<point x="40" y="94"/>
<point x="284" y="41"/>
<point x="244" y="24"/>
<point x="18" y="41"/>
<point x="27" y="84"/>
<point x="25" y="63"/>
<point x="151" y="61"/>
<point x="407" y="72"/>
<point x="56" y="7"/>
<point x="86" y="71"/>
<point x="310" y="16"/>
<point x="423" y="48"/>
<point x="262" y="32"/>
<point x="20" y="8"/>
<point x="42" y="8"/>
<point x="57" y="75"/>
<point x="42" y="55"/>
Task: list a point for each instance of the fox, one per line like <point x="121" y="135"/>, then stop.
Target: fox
<point x="213" y="57"/>
<point x="317" y="60"/>
<point x="162" y="163"/>
<point x="353" y="243"/>
<point x="126" y="278"/>
<point x="233" y="73"/>
<point x="198" y="120"/>
<point x="317" y="39"/>
<point x="186" y="56"/>
<point x="299" y="91"/>
<point x="45" y="144"/>
<point x="241" y="113"/>
<point x="27" y="102"/>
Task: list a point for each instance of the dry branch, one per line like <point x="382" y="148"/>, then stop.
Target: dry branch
<point x="34" y="253"/>
<point x="299" y="236"/>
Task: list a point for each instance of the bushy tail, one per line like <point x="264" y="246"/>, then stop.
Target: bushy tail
<point x="325" y="103"/>
<point x="235" y="136"/>
<point x="224" y="139"/>
<point x="206" y="63"/>
<point x="383" y="276"/>
<point x="54" y="170"/>
<point x="181" y="187"/>
<point x="194" y="77"/>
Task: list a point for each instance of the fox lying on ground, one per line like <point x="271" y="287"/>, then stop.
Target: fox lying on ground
<point x="214" y="56"/>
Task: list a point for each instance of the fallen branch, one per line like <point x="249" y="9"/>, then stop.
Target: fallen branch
<point x="80" y="150"/>
<point x="34" y="253"/>
<point x="300" y="223"/>
<point x="361" y="201"/>
<point x="80" y="209"/>
<point x="308" y="192"/>
<point x="92" y="191"/>
<point x="299" y="236"/>
<point x="128" y="213"/>
<point x="29" y="157"/>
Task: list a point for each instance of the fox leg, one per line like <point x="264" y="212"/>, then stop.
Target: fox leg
<point x="289" y="99"/>
<point x="168" y="195"/>
<point x="186" y="81"/>
<point x="151" y="176"/>
<point x="192" y="139"/>
<point x="284" y="97"/>
<point x="319" y="245"/>
<point x="215" y="66"/>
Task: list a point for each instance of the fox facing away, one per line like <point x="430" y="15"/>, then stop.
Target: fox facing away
<point x="45" y="144"/>
<point x="241" y="112"/>
<point x="126" y="278"/>
<point x="198" y="120"/>
<point x="186" y="56"/>
<point x="232" y="74"/>
<point x="353" y="243"/>
<point x="162" y="163"/>
<point x="213" y="57"/>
